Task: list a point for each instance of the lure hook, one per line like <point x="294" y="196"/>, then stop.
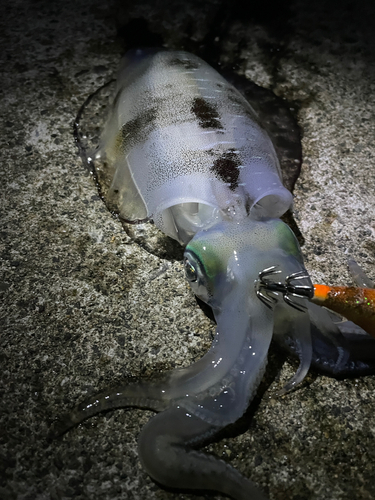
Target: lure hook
<point x="288" y="289"/>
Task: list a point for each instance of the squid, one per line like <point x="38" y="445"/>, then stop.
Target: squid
<point x="182" y="147"/>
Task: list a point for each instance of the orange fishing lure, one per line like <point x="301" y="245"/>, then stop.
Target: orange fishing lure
<point x="357" y="304"/>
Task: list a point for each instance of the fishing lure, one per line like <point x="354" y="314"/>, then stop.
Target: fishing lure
<point x="182" y="147"/>
<point x="356" y="303"/>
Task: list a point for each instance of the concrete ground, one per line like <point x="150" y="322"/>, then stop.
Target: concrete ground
<point x="83" y="306"/>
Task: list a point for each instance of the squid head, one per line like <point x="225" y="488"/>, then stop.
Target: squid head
<point x="233" y="268"/>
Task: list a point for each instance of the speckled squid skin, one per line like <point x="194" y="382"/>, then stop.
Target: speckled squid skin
<point x="184" y="148"/>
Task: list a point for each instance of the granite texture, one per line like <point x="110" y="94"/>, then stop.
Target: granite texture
<point x="83" y="306"/>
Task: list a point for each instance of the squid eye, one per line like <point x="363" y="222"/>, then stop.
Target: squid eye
<point x="190" y="271"/>
<point x="196" y="275"/>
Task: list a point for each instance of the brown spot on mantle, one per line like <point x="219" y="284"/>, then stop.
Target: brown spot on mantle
<point x="207" y="115"/>
<point x="226" y="167"/>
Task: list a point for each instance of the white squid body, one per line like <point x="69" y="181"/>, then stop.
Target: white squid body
<point x="185" y="149"/>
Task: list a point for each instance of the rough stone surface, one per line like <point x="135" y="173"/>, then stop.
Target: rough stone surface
<point x="83" y="306"/>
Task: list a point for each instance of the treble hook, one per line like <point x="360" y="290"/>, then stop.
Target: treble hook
<point x="287" y="289"/>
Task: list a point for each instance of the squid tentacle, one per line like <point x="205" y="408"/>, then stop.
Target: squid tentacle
<point x="166" y="450"/>
<point x="141" y="395"/>
<point x="217" y="388"/>
<point x="295" y="291"/>
<point x="302" y="329"/>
